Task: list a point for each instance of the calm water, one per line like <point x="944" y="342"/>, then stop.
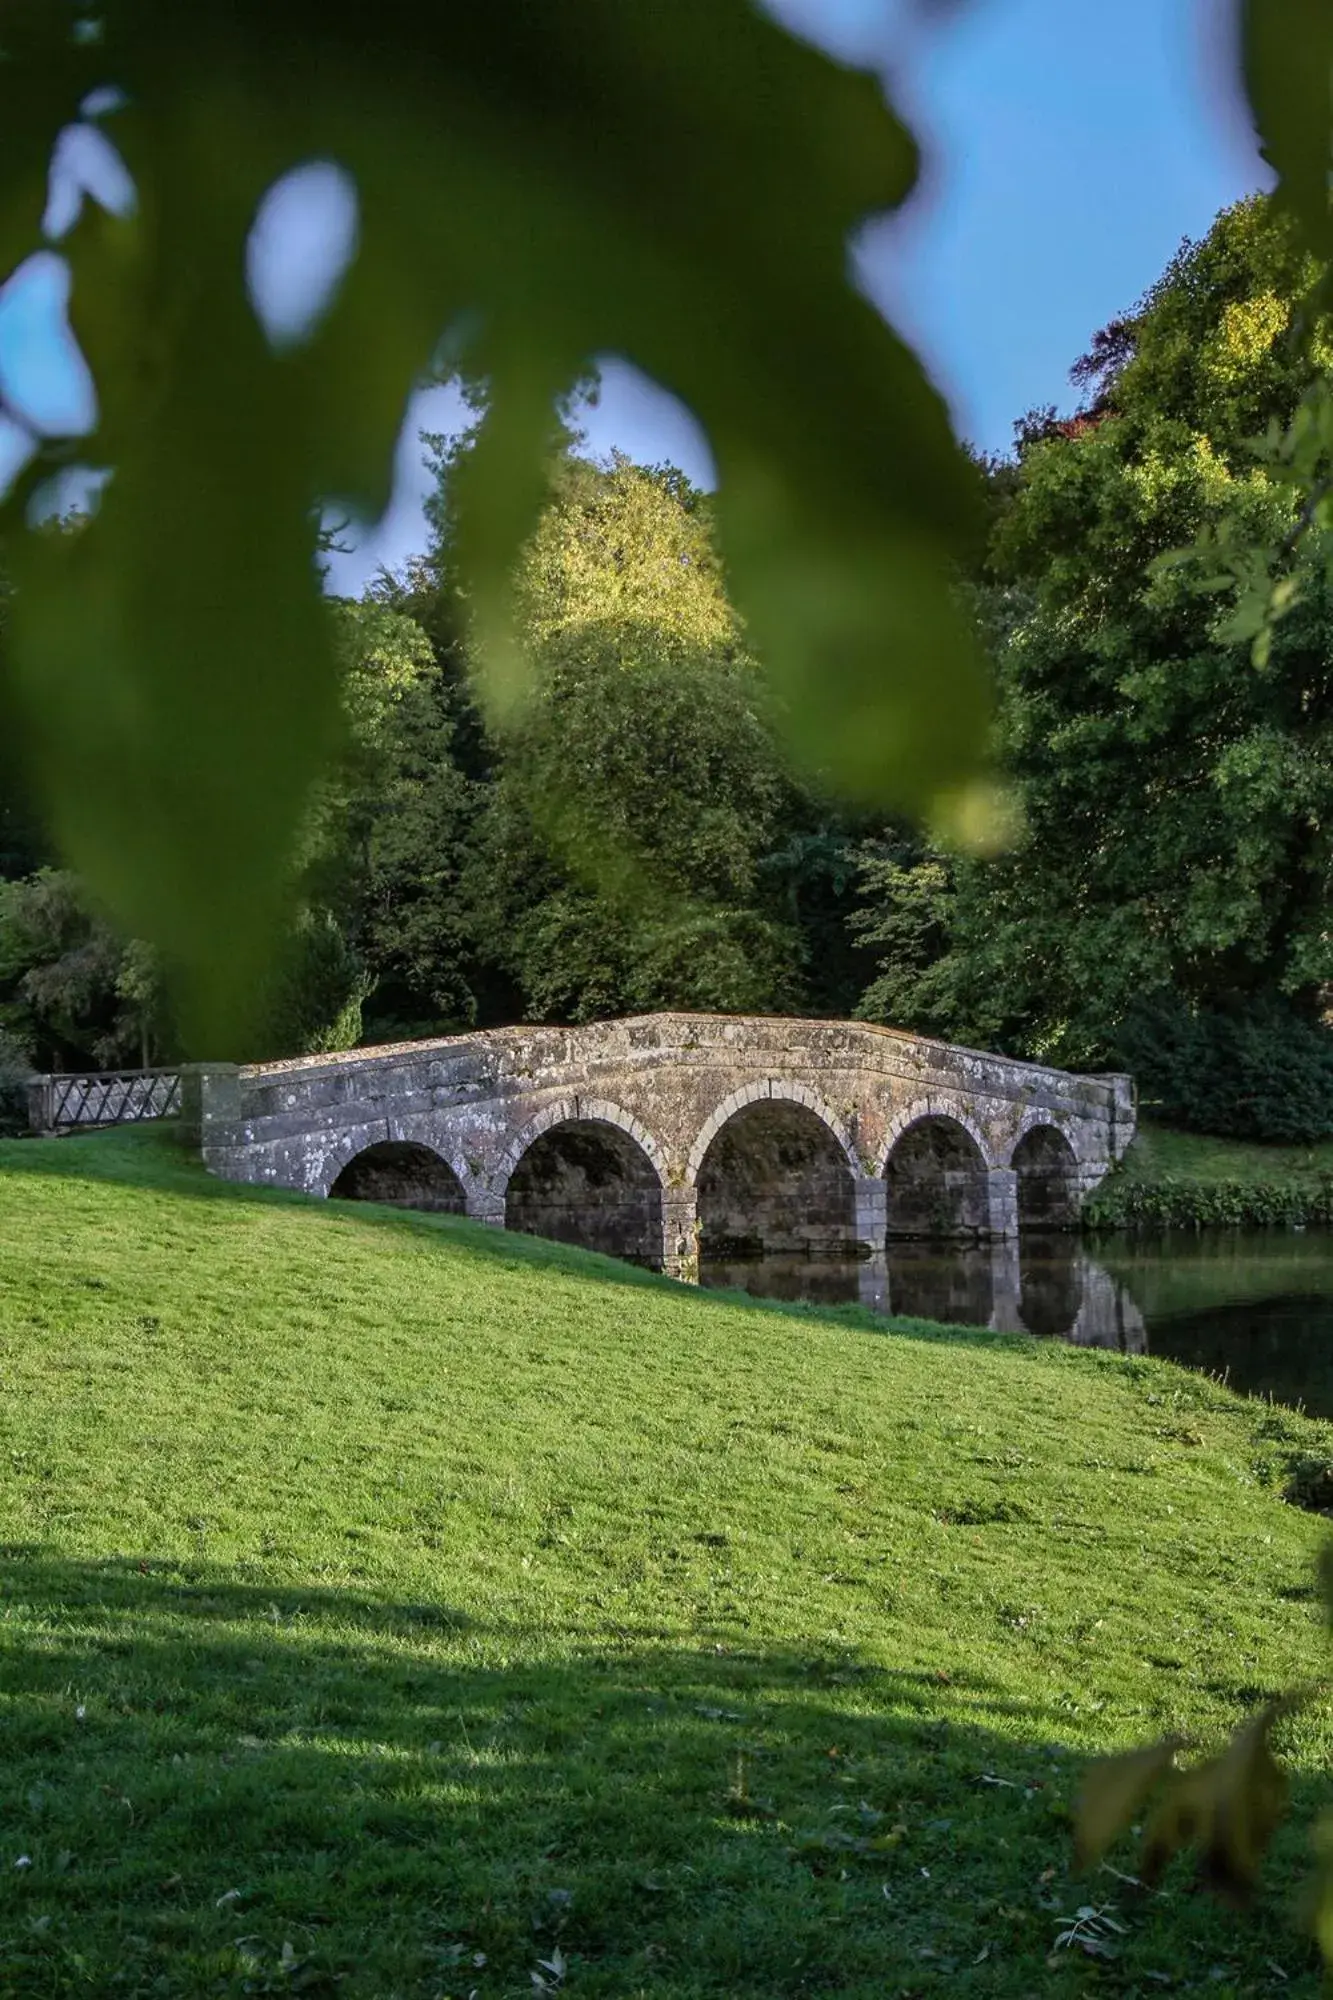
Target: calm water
<point x="1253" y="1305"/>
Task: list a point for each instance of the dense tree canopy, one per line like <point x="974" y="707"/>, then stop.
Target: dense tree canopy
<point x="1176" y="798"/>
<point x="72" y="993"/>
<point x="391" y="827"/>
<point x="638" y="785"/>
<point x="525" y="188"/>
<point x="629" y="834"/>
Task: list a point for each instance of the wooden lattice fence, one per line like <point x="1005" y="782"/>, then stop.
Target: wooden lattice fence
<point x="112" y="1097"/>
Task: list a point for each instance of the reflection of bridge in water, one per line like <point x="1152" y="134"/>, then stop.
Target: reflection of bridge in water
<point x="1044" y="1284"/>
<point x="672" y="1136"/>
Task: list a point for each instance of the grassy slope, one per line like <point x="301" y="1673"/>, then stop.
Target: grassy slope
<point x="387" y="1604"/>
<point x="1157" y="1152"/>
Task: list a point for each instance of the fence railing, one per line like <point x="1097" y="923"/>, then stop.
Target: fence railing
<point x="112" y="1097"/>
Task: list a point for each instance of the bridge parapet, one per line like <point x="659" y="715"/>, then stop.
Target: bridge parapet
<point x="692" y="1050"/>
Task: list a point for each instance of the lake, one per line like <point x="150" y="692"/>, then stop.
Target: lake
<point x="1252" y="1306"/>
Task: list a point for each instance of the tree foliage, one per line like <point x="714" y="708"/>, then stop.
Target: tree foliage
<point x="639" y="786"/>
<point x="631" y="834"/>
<point x="387" y="838"/>
<point x="311" y="999"/>
<point x="1253" y="1072"/>
<point x="73" y="994"/>
<point x="533" y="187"/>
<point x="1175" y="796"/>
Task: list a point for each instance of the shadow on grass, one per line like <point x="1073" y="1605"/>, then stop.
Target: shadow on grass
<point x="150" y="1158"/>
<point x="215" y="1785"/>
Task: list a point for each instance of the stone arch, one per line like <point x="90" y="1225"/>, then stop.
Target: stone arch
<point x="1048" y="1176"/>
<point x="403" y="1173"/>
<point x="937" y="1172"/>
<point x="774" y="1173"/>
<point x="586" y="1172"/>
<point x="779" y="1090"/>
<point x="1035" y="1116"/>
<point x="331" y="1161"/>
<point x="573" y="1111"/>
<point x="933" y="1107"/>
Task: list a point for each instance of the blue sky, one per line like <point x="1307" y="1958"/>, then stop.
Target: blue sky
<point x="1069" y="148"/>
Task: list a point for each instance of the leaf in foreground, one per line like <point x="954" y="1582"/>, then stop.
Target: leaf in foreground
<point x="1227" y="1807"/>
<point x="1115" y="1790"/>
<point x="535" y="186"/>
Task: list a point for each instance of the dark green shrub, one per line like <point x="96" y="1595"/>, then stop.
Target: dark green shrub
<point x="15" y="1071"/>
<point x="1310" y="1485"/>
<point x="1122" y="1202"/>
<point x="313" y="1001"/>
<point x="1262" y="1072"/>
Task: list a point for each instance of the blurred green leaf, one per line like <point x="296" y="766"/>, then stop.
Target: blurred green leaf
<point x="171" y="657"/>
<point x="542" y="185"/>
<point x="1227" y="1807"/>
<point x="1114" y="1792"/>
<point x="1287" y="48"/>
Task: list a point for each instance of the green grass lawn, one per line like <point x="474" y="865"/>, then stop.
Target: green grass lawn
<point x="1156" y="1152"/>
<point x="389" y="1606"/>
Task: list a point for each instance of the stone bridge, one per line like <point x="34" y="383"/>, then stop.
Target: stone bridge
<point x="658" y="1137"/>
